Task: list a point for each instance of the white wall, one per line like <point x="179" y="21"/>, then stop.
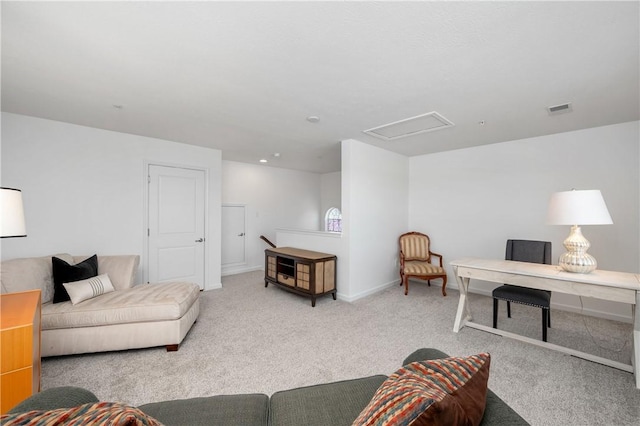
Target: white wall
<point x="375" y="186"/>
<point x="273" y="198"/>
<point x="330" y="194"/>
<point x="471" y="201"/>
<point x="83" y="188"/>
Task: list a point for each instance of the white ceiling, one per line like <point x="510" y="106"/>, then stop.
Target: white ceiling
<point x="242" y="77"/>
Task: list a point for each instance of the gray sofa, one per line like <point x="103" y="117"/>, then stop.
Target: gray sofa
<point x="337" y="403"/>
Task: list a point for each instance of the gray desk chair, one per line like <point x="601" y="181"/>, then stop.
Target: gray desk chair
<point x="533" y="252"/>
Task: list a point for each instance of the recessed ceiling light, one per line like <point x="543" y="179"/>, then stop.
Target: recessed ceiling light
<point x="276" y="154"/>
<point x="263" y="160"/>
<point x="313" y="119"/>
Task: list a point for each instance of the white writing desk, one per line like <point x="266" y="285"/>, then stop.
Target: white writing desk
<point x="605" y="285"/>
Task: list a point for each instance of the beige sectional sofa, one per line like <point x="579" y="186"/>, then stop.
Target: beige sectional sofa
<point x="132" y="316"/>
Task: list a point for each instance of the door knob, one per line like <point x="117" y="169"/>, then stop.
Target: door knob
<point x="241" y="234"/>
<point x="199" y="240"/>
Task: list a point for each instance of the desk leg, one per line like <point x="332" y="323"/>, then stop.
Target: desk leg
<point x="635" y="352"/>
<point x="463" y="303"/>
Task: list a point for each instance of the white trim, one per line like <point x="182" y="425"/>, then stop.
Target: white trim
<point x="308" y="232"/>
<point x="368" y="292"/>
<point x="326" y="219"/>
<point x="234" y="271"/>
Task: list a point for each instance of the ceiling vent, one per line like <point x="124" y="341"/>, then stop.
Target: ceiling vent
<point x="410" y="126"/>
<point x="559" y="109"/>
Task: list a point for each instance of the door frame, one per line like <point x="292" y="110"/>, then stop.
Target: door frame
<point x="144" y="262"/>
<point x="235" y="265"/>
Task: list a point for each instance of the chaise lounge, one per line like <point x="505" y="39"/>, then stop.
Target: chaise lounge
<point x="131" y="316"/>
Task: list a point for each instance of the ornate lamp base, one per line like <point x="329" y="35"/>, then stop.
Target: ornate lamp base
<point x="576" y="259"/>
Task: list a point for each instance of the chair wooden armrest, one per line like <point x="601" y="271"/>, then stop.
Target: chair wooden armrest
<point x="436" y="255"/>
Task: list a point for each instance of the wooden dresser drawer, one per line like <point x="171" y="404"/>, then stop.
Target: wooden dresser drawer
<point x="285" y="279"/>
<point x="19" y="347"/>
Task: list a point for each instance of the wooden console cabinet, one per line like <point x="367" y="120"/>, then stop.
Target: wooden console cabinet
<point x="19" y="347"/>
<point x="308" y="273"/>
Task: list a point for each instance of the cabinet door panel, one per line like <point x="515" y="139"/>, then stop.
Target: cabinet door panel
<point x="271" y="266"/>
<point x="302" y="276"/>
<point x="329" y="275"/>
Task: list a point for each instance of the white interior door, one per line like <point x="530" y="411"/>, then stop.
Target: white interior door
<point x="233" y="234"/>
<point x="176" y="224"/>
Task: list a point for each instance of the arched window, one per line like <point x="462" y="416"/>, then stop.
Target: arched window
<point x="333" y="220"/>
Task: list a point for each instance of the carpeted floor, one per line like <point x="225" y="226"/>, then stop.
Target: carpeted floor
<point x="249" y="338"/>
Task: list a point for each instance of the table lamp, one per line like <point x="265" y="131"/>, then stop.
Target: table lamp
<point x="577" y="208"/>
<point x="11" y="213"/>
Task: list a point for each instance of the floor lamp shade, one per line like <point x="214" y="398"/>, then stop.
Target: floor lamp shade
<point x="11" y="213"/>
<point x="577" y="208"/>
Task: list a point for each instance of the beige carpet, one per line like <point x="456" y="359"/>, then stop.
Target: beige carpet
<point x="249" y="338"/>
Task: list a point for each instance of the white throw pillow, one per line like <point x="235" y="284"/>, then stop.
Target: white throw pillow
<point x="87" y="289"/>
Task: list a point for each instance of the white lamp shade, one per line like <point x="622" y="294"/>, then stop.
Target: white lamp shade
<point x="585" y="207"/>
<point x="11" y="213"/>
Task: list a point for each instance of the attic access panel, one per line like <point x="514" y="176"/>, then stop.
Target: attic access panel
<point x="410" y="126"/>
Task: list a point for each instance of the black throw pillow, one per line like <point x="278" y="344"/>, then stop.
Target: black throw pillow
<point x="65" y="273"/>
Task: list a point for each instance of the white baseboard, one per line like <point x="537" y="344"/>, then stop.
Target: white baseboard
<point x="233" y="270"/>
<point x="453" y="286"/>
<point x="213" y="287"/>
<point x="368" y="292"/>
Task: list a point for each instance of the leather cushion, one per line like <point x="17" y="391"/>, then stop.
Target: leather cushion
<point x="523" y="295"/>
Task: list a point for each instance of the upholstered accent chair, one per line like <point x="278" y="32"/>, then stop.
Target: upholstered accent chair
<point x="533" y="252"/>
<point x="415" y="261"/>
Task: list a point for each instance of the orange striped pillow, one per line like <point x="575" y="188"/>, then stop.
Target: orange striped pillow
<point x="93" y="413"/>
<point x="448" y="391"/>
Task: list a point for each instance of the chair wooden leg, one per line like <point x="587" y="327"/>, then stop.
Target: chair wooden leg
<point x="495" y="313"/>
<point x="444" y="286"/>
<point x="508" y="309"/>
<point x="544" y="324"/>
<point x="429" y="283"/>
<point x="406" y="285"/>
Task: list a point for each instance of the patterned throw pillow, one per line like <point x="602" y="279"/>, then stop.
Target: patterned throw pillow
<point x="95" y="413"/>
<point x="448" y="391"/>
<point x="80" y="291"/>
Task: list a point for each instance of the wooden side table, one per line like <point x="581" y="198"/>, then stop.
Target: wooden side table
<point x="20" y="315"/>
